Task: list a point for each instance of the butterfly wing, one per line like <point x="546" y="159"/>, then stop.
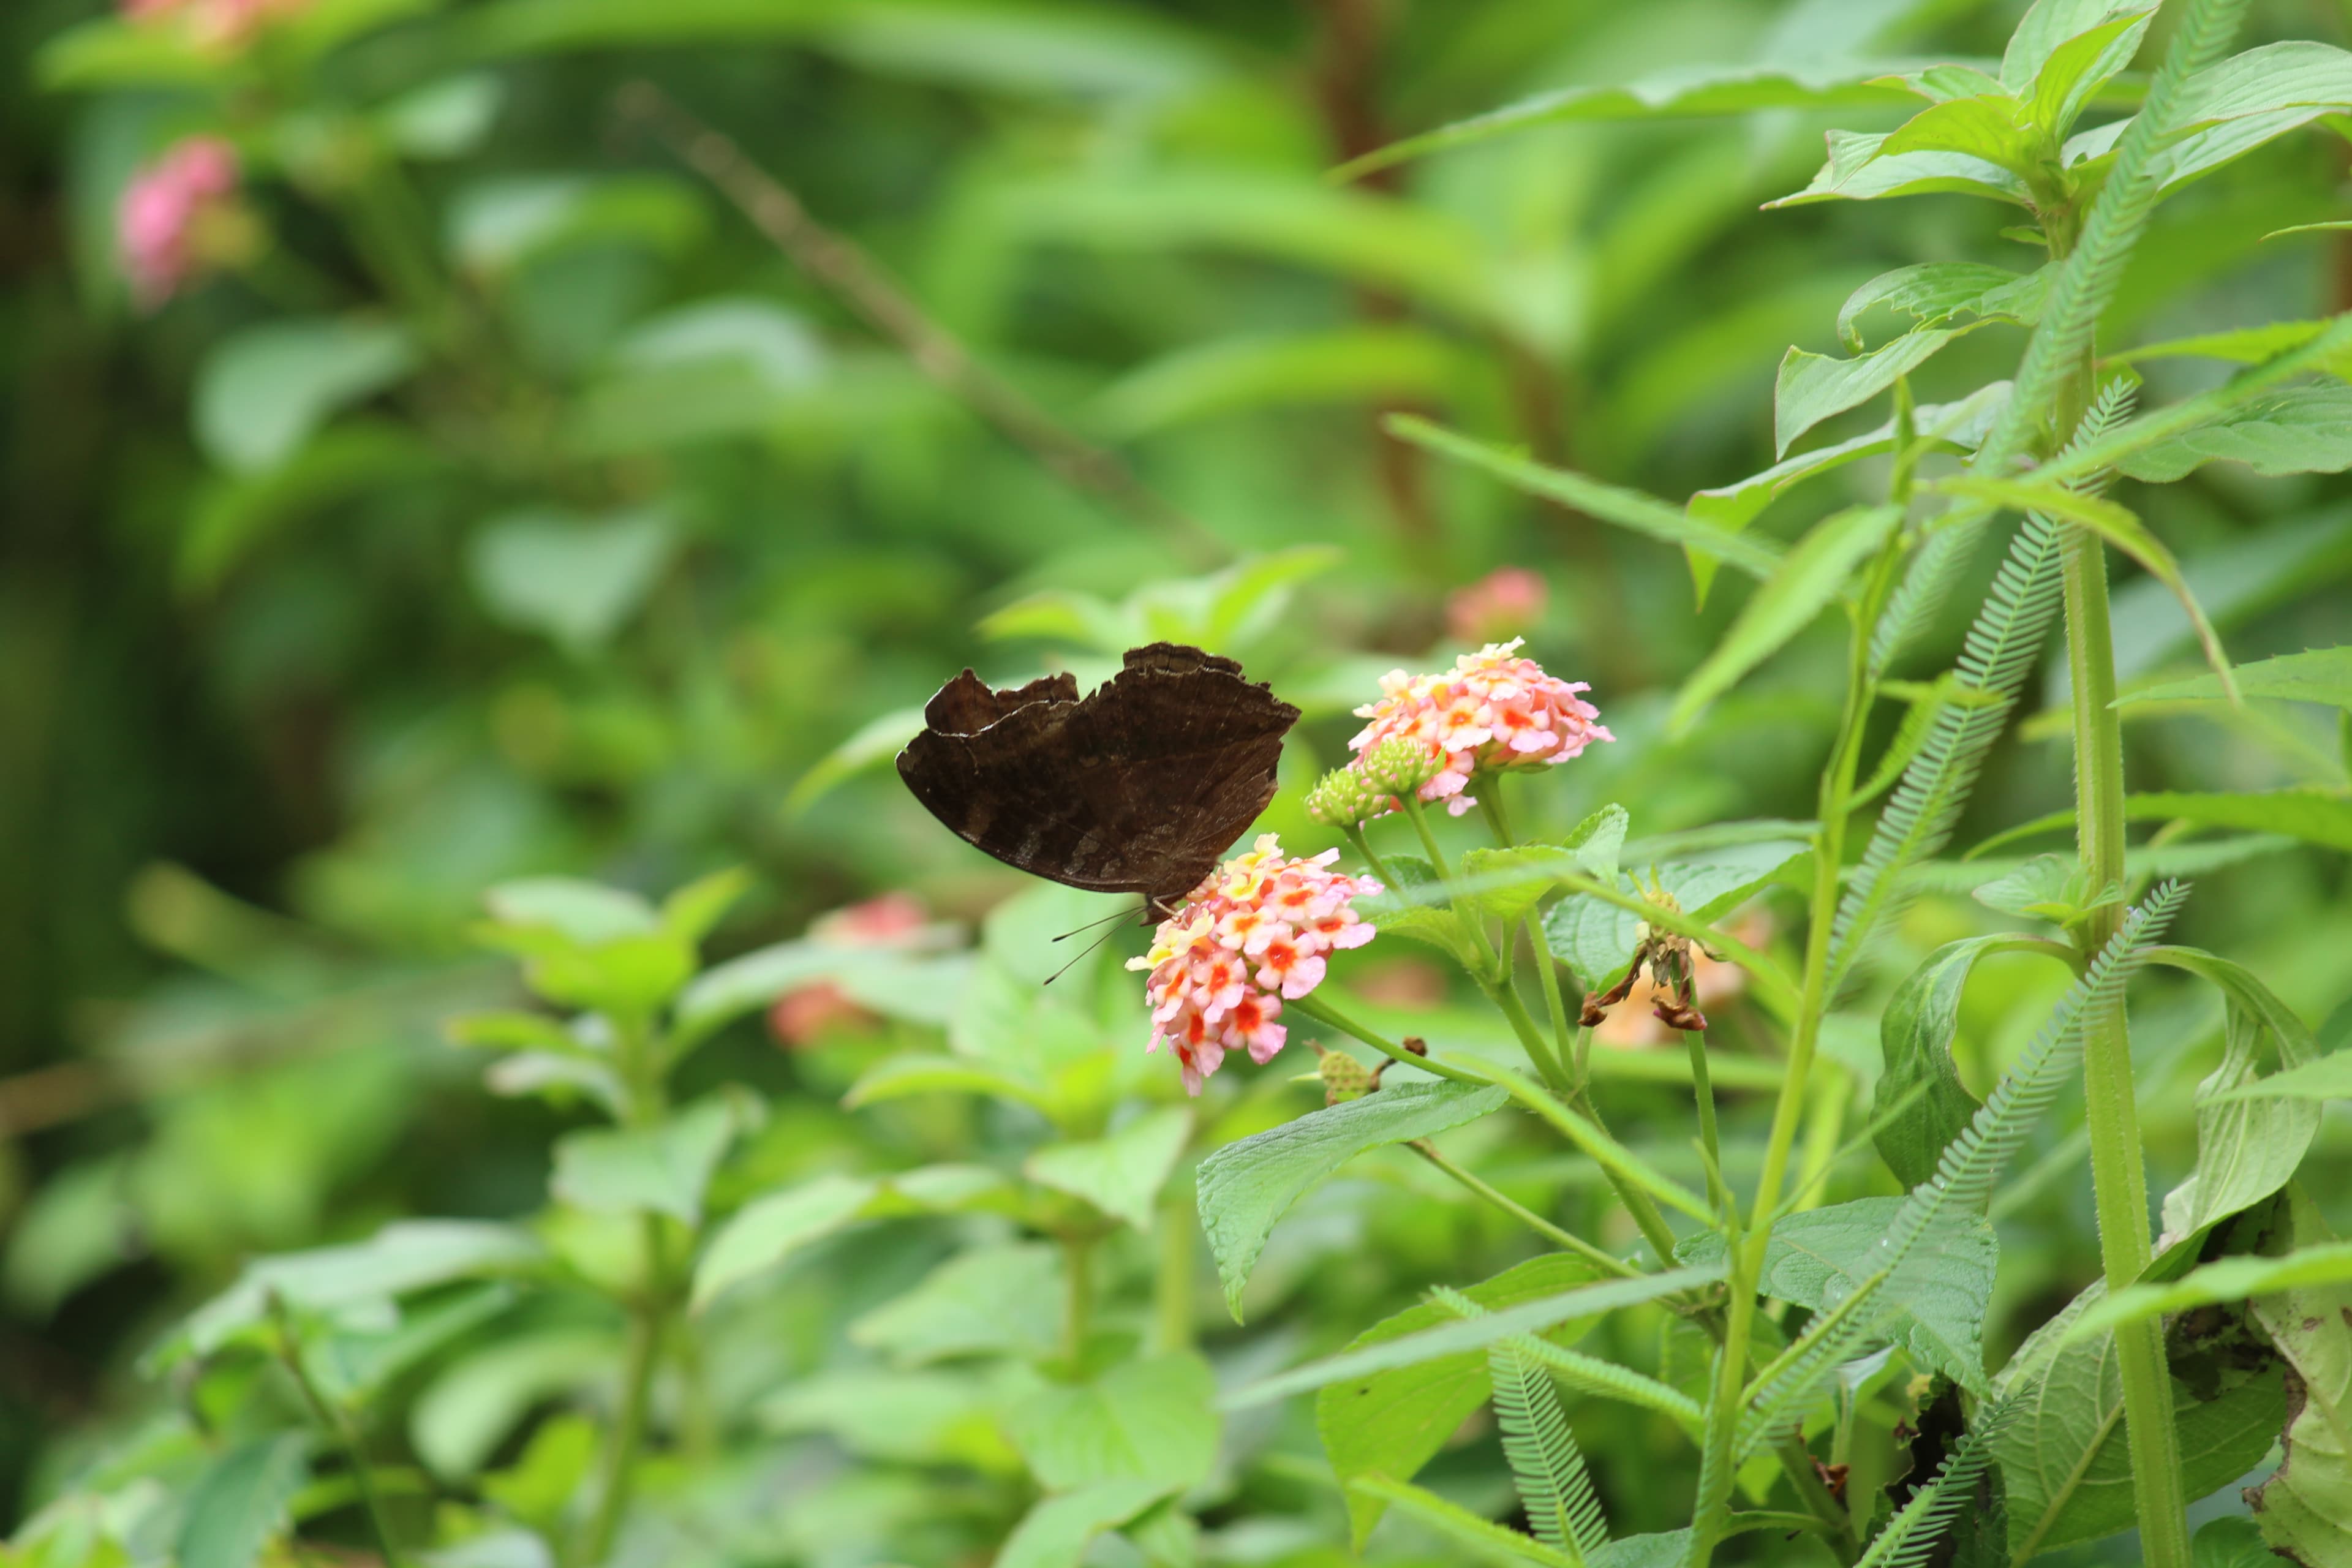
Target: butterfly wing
<point x="1134" y="789"/>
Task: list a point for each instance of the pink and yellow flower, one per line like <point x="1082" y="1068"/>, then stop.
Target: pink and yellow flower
<point x="1254" y="934"/>
<point x="1493" y="709"/>
<point x="162" y="223"/>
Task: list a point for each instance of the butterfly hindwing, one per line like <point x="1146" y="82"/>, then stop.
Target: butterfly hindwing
<point x="1137" y="787"/>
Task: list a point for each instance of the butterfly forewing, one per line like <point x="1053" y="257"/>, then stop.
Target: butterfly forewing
<point x="1136" y="788"/>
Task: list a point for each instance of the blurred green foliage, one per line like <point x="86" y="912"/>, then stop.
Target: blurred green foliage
<point x="497" y="505"/>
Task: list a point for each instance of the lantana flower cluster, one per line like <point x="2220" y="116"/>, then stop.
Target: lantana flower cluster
<point x="168" y="213"/>
<point x="1251" y="935"/>
<point x="1493" y="709"/>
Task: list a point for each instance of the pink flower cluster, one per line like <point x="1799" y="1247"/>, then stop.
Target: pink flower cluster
<point x="1492" y="709"/>
<point x="214" y="23"/>
<point x="1257" y="931"/>
<point x="162" y="210"/>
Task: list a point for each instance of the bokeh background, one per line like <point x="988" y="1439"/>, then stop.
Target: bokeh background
<point x="492" y="497"/>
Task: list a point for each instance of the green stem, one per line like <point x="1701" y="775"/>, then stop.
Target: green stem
<point x="1331" y="1017"/>
<point x="1555" y="1004"/>
<point x="333" y="1422"/>
<point x="1171" y="1285"/>
<point x="1703" y="1090"/>
<point x="1355" y="835"/>
<point x="2118" y="1176"/>
<point x="1469" y="917"/>
<point x="648" y="1320"/>
<point x="1077" y="1297"/>
<point x="1525" y="1215"/>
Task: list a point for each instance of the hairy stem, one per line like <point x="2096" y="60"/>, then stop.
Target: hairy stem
<point x="1703" y="1089"/>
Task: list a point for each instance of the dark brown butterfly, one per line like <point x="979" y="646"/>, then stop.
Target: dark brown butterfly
<point x="1137" y="787"/>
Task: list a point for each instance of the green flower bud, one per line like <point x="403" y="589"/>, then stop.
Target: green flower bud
<point x="1399" y="766"/>
<point x="1343" y="799"/>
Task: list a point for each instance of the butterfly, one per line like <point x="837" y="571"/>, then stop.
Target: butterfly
<point x="1137" y="787"/>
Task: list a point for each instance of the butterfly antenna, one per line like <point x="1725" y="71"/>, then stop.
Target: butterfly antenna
<point x="1090" y="948"/>
<point x="1114" y="915"/>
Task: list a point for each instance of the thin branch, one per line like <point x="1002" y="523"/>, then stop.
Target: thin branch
<point x="836" y="263"/>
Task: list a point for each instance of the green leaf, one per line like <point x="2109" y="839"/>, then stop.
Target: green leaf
<point x="2303" y="1508"/>
<point x="1055" y="1533"/>
<point x="2244" y="345"/>
<point x="2052" y="888"/>
<point x="2231" y="107"/>
<point x="767" y="1232"/>
<point x="1375" y="364"/>
<point x="1932" y="292"/>
<point x="2230" y="1543"/>
<point x="1150" y="1419"/>
<point x="262" y="391"/>
<point x="2118" y="526"/>
<point x="693" y="912"/>
<point x="2065" y="1458"/>
<point x="1407" y="908"/>
<point x="1393" y="1422"/>
<point x="581" y="912"/>
<point x="930" y="1418"/>
<point x="1856" y="172"/>
<point x="575" y="579"/>
<point x="2045" y="28"/>
<point x="1590" y="847"/>
<point x="240" y="1501"/>
<point x="2224" y="1279"/>
<point x="1596" y="939"/>
<point x="2079" y="65"/>
<point x="2321" y="675"/>
<point x="1813" y="387"/>
<point x="901" y="1076"/>
<point x="2294" y="430"/>
<point x="1993" y="127"/>
<point x="1245" y="1187"/>
<point x="1818" y="1257"/>
<point x="1667" y="1549"/>
<point x="1555" y="1490"/>
<point x="2246" y="1149"/>
<point x="1120" y="1174"/>
<point x="2313" y="815"/>
<point x="467" y="1412"/>
<point x="404" y="1257"/>
<point x="1915" y="1034"/>
<point x="1475" y="1334"/>
<point x="2325" y="1077"/>
<point x="1805" y="583"/>
<point x="660" y="1169"/>
<point x="1488" y="1540"/>
<point x="1685" y="93"/>
<point x="981" y="1302"/>
<point x="1608" y="503"/>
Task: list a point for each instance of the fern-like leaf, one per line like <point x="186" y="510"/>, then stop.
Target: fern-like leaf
<point x="1553" y="1485"/>
<point x="1999" y="654"/>
<point x="1940" y="1207"/>
<point x="1913" y="1535"/>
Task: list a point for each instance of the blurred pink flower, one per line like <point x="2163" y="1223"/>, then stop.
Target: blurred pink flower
<point x="162" y="213"/>
<point x="806" y="1014"/>
<point x="214" y="24"/>
<point x="1492" y="709"/>
<point x="1254" y="933"/>
<point x="1504" y="602"/>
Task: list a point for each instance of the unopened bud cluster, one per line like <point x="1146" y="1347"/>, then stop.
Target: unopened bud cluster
<point x="1400" y="765"/>
<point x="1344" y="799"/>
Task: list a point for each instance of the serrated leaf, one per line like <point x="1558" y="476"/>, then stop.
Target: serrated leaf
<point x="2321" y="675"/>
<point x="1932" y="292"/>
<point x="2065" y="1458"/>
<point x="2295" y="430"/>
<point x="1590" y="847"/>
<point x="2224" y="1279"/>
<point x="2230" y="1543"/>
<point x="2046" y="26"/>
<point x="1916" y="1033"/>
<point x="1596" y="940"/>
<point x="1394" y="1422"/>
<point x="2246" y="1149"/>
<point x="1245" y="1187"/>
<point x="1812" y="576"/>
<point x="1120" y="1174"/>
<point x="1820" y="1257"/>
<point x="1812" y="387"/>
<point x="2045" y="887"/>
<point x="1150" y="1419"/>
<point x="2231" y="107"/>
<point x="1993" y="127"/>
<point x="2078" y="66"/>
<point x="1856" y="172"/>
<point x="1419" y="920"/>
